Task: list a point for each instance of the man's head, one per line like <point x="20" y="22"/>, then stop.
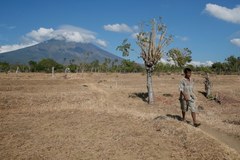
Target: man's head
<point x="187" y="72"/>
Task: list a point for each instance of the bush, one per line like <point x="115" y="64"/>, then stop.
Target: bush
<point x="4" y="67"/>
<point x="47" y="64"/>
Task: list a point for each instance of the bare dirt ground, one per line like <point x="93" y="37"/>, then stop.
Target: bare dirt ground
<point x="105" y="116"/>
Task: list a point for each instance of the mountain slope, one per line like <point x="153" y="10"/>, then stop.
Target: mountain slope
<point x="60" y="51"/>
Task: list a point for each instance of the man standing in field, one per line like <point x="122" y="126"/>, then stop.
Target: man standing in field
<point x="187" y="96"/>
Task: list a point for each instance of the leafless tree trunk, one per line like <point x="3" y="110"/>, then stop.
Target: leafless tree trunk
<point x="208" y="85"/>
<point x="17" y="71"/>
<point x="53" y="72"/>
<point x="150" y="87"/>
<point x="77" y="70"/>
<point x="67" y="70"/>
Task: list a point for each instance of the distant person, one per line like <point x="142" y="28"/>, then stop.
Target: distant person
<point x="187" y="97"/>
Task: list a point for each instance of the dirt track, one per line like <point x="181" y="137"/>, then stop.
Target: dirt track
<point x="105" y="116"/>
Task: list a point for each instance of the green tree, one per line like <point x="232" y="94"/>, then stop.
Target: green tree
<point x="72" y="67"/>
<point x="130" y="66"/>
<point x="180" y="57"/>
<point x="95" y="64"/>
<point x="151" y="44"/>
<point x="217" y="67"/>
<point x="115" y="65"/>
<point x="33" y="66"/>
<point x="233" y="63"/>
<point x="4" y="67"/>
<point x="47" y="64"/>
<point x="204" y="69"/>
<point x="106" y="64"/>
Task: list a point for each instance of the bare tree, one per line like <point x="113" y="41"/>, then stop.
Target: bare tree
<point x="208" y="85"/>
<point x="53" y="72"/>
<point x="17" y="70"/>
<point x="67" y="70"/>
<point x="151" y="44"/>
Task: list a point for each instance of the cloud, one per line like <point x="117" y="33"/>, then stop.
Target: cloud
<point x="66" y="32"/>
<point x="235" y="41"/>
<point x="166" y="61"/>
<point x="134" y="35"/>
<point x="8" y="48"/>
<point x="223" y="13"/>
<point x="198" y="63"/>
<point x="118" y="28"/>
<point x="40" y="35"/>
<point x="101" y="42"/>
<point x="75" y="34"/>
<point x="123" y="28"/>
<point x="194" y="63"/>
<point x="135" y="28"/>
<point x="182" y="38"/>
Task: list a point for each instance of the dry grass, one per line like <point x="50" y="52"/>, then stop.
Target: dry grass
<point x="105" y="116"/>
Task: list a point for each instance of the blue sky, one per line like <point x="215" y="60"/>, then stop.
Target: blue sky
<point x="209" y="28"/>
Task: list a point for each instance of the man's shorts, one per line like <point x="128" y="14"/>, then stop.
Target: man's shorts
<point x="190" y="105"/>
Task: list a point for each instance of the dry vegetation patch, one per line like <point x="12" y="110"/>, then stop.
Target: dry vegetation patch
<point x="106" y="116"/>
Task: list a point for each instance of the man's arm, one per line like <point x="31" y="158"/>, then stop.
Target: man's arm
<point x="185" y="96"/>
<point x="181" y="89"/>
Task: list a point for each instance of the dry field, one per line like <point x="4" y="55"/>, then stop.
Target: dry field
<point x="105" y="116"/>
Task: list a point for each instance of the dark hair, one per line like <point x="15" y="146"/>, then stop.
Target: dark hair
<point x="187" y="70"/>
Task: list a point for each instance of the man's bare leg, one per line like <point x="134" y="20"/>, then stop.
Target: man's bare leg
<point x="195" y="123"/>
<point x="183" y="116"/>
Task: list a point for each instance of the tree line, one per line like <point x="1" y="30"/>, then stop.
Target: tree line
<point x="230" y="66"/>
<point x="45" y="65"/>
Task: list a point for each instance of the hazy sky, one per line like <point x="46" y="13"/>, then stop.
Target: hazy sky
<point x="209" y="28"/>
